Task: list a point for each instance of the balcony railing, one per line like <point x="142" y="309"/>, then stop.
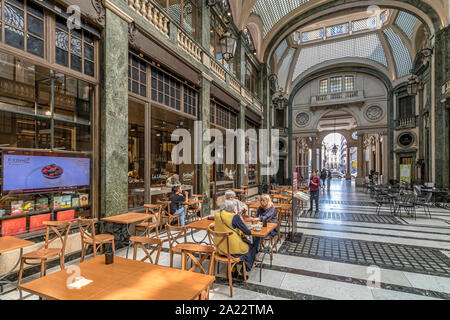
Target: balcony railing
<point x="152" y="14"/>
<point x="337" y="96"/>
<point x="409" y="122"/>
<point x="157" y="17"/>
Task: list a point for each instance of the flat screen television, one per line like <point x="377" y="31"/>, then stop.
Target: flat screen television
<point x="34" y="172"/>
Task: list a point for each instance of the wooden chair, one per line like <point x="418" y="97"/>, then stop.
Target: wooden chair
<point x="146" y="227"/>
<point x="195" y="213"/>
<point x="165" y="213"/>
<point x="89" y="238"/>
<point x="147" y="241"/>
<point x="188" y="252"/>
<point x="44" y="253"/>
<point x="173" y="235"/>
<point x="284" y="215"/>
<point x="225" y="257"/>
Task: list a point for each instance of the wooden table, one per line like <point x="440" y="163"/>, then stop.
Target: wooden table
<point x="8" y="244"/>
<point x="128" y="219"/>
<point x="123" y="280"/>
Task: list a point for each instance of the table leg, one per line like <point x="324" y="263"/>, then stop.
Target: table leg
<point x="4" y="281"/>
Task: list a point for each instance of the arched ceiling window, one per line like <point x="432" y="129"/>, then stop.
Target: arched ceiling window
<point x="271" y="12"/>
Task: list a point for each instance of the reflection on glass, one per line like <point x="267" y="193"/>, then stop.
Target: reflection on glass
<point x="136" y="155"/>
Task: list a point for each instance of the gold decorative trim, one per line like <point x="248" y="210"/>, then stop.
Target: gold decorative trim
<point x="116" y="10"/>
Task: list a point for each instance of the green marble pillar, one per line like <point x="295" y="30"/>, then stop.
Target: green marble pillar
<point x="441" y="125"/>
<point x="114" y="117"/>
<point x="241" y="167"/>
<point x="266" y="124"/>
<point x="205" y="24"/>
<point x="205" y="118"/>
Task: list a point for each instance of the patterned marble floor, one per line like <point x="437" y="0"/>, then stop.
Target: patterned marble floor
<point x="347" y="252"/>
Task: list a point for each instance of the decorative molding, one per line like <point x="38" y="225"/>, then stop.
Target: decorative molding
<point x="100" y="18"/>
<point x="132" y="32"/>
<point x="116" y="10"/>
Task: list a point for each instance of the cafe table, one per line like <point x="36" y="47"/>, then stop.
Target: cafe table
<point x="123" y="280"/>
<point x="128" y="219"/>
<point x="9" y="244"/>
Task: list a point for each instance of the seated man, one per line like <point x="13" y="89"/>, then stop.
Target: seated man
<point x="240" y="208"/>
<point x="177" y="199"/>
<point x="228" y="221"/>
<point x="173" y="181"/>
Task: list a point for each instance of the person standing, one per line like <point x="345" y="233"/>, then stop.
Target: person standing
<point x="329" y="178"/>
<point x="176" y="203"/>
<point x="323" y="177"/>
<point x="314" y="187"/>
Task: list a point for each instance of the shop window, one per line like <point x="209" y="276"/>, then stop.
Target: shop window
<point x="74" y="48"/>
<point x="137" y="76"/>
<point x="23" y="26"/>
<point x="251" y="156"/>
<point x="136" y="155"/>
<point x="29" y="124"/>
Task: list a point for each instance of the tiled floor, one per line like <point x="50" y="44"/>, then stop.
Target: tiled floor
<point x="348" y="252"/>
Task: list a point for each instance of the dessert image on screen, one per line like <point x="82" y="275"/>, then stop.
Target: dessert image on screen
<point x="52" y="171"/>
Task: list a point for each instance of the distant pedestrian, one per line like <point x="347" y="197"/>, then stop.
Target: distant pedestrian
<point x="314" y="188"/>
<point x="323" y="177"/>
<point x="329" y="178"/>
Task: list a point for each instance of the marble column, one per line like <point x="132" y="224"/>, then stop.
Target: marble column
<point x="204" y="117"/>
<point x="320" y="158"/>
<point x="378" y="156"/>
<point x="361" y="159"/>
<point x="385" y="158"/>
<point x="114" y="116"/>
<point x="241" y="167"/>
<point x="314" y="154"/>
<point x="349" y="165"/>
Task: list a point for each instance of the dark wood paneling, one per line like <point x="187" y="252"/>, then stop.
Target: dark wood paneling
<point x="225" y="98"/>
<point x="253" y="117"/>
<point x="159" y="54"/>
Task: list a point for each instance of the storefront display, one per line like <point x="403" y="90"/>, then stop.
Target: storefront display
<point x="159" y="104"/>
<point x="46" y="114"/>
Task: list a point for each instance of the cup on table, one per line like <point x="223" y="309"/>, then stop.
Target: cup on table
<point x="109" y="258"/>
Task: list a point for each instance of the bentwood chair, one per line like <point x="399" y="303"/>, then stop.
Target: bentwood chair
<point x="189" y="252"/>
<point x="175" y="235"/>
<point x="45" y="253"/>
<point x="166" y="214"/>
<point x="89" y="238"/>
<point x="195" y="212"/>
<point x="224" y="256"/>
<point x="146" y="244"/>
<point x="147" y="227"/>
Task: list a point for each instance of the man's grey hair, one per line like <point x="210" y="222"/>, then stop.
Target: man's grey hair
<point x="230" y="194"/>
<point x="229" y="206"/>
<point x="176" y="177"/>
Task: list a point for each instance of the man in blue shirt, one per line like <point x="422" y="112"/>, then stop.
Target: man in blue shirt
<point x="177" y="199"/>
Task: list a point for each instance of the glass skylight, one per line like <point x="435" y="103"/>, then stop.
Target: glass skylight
<point x="285" y="67"/>
<point x="367" y="46"/>
<point x="406" y="22"/>
<point x="280" y="50"/>
<point x="272" y="11"/>
<point x="401" y="55"/>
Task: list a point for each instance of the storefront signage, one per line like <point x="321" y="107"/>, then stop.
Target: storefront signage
<point x="405" y="173"/>
<point x="188" y="176"/>
<point x="159" y="176"/>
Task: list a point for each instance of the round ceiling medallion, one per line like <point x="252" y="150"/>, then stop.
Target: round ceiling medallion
<point x="302" y="119"/>
<point x="374" y="113"/>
